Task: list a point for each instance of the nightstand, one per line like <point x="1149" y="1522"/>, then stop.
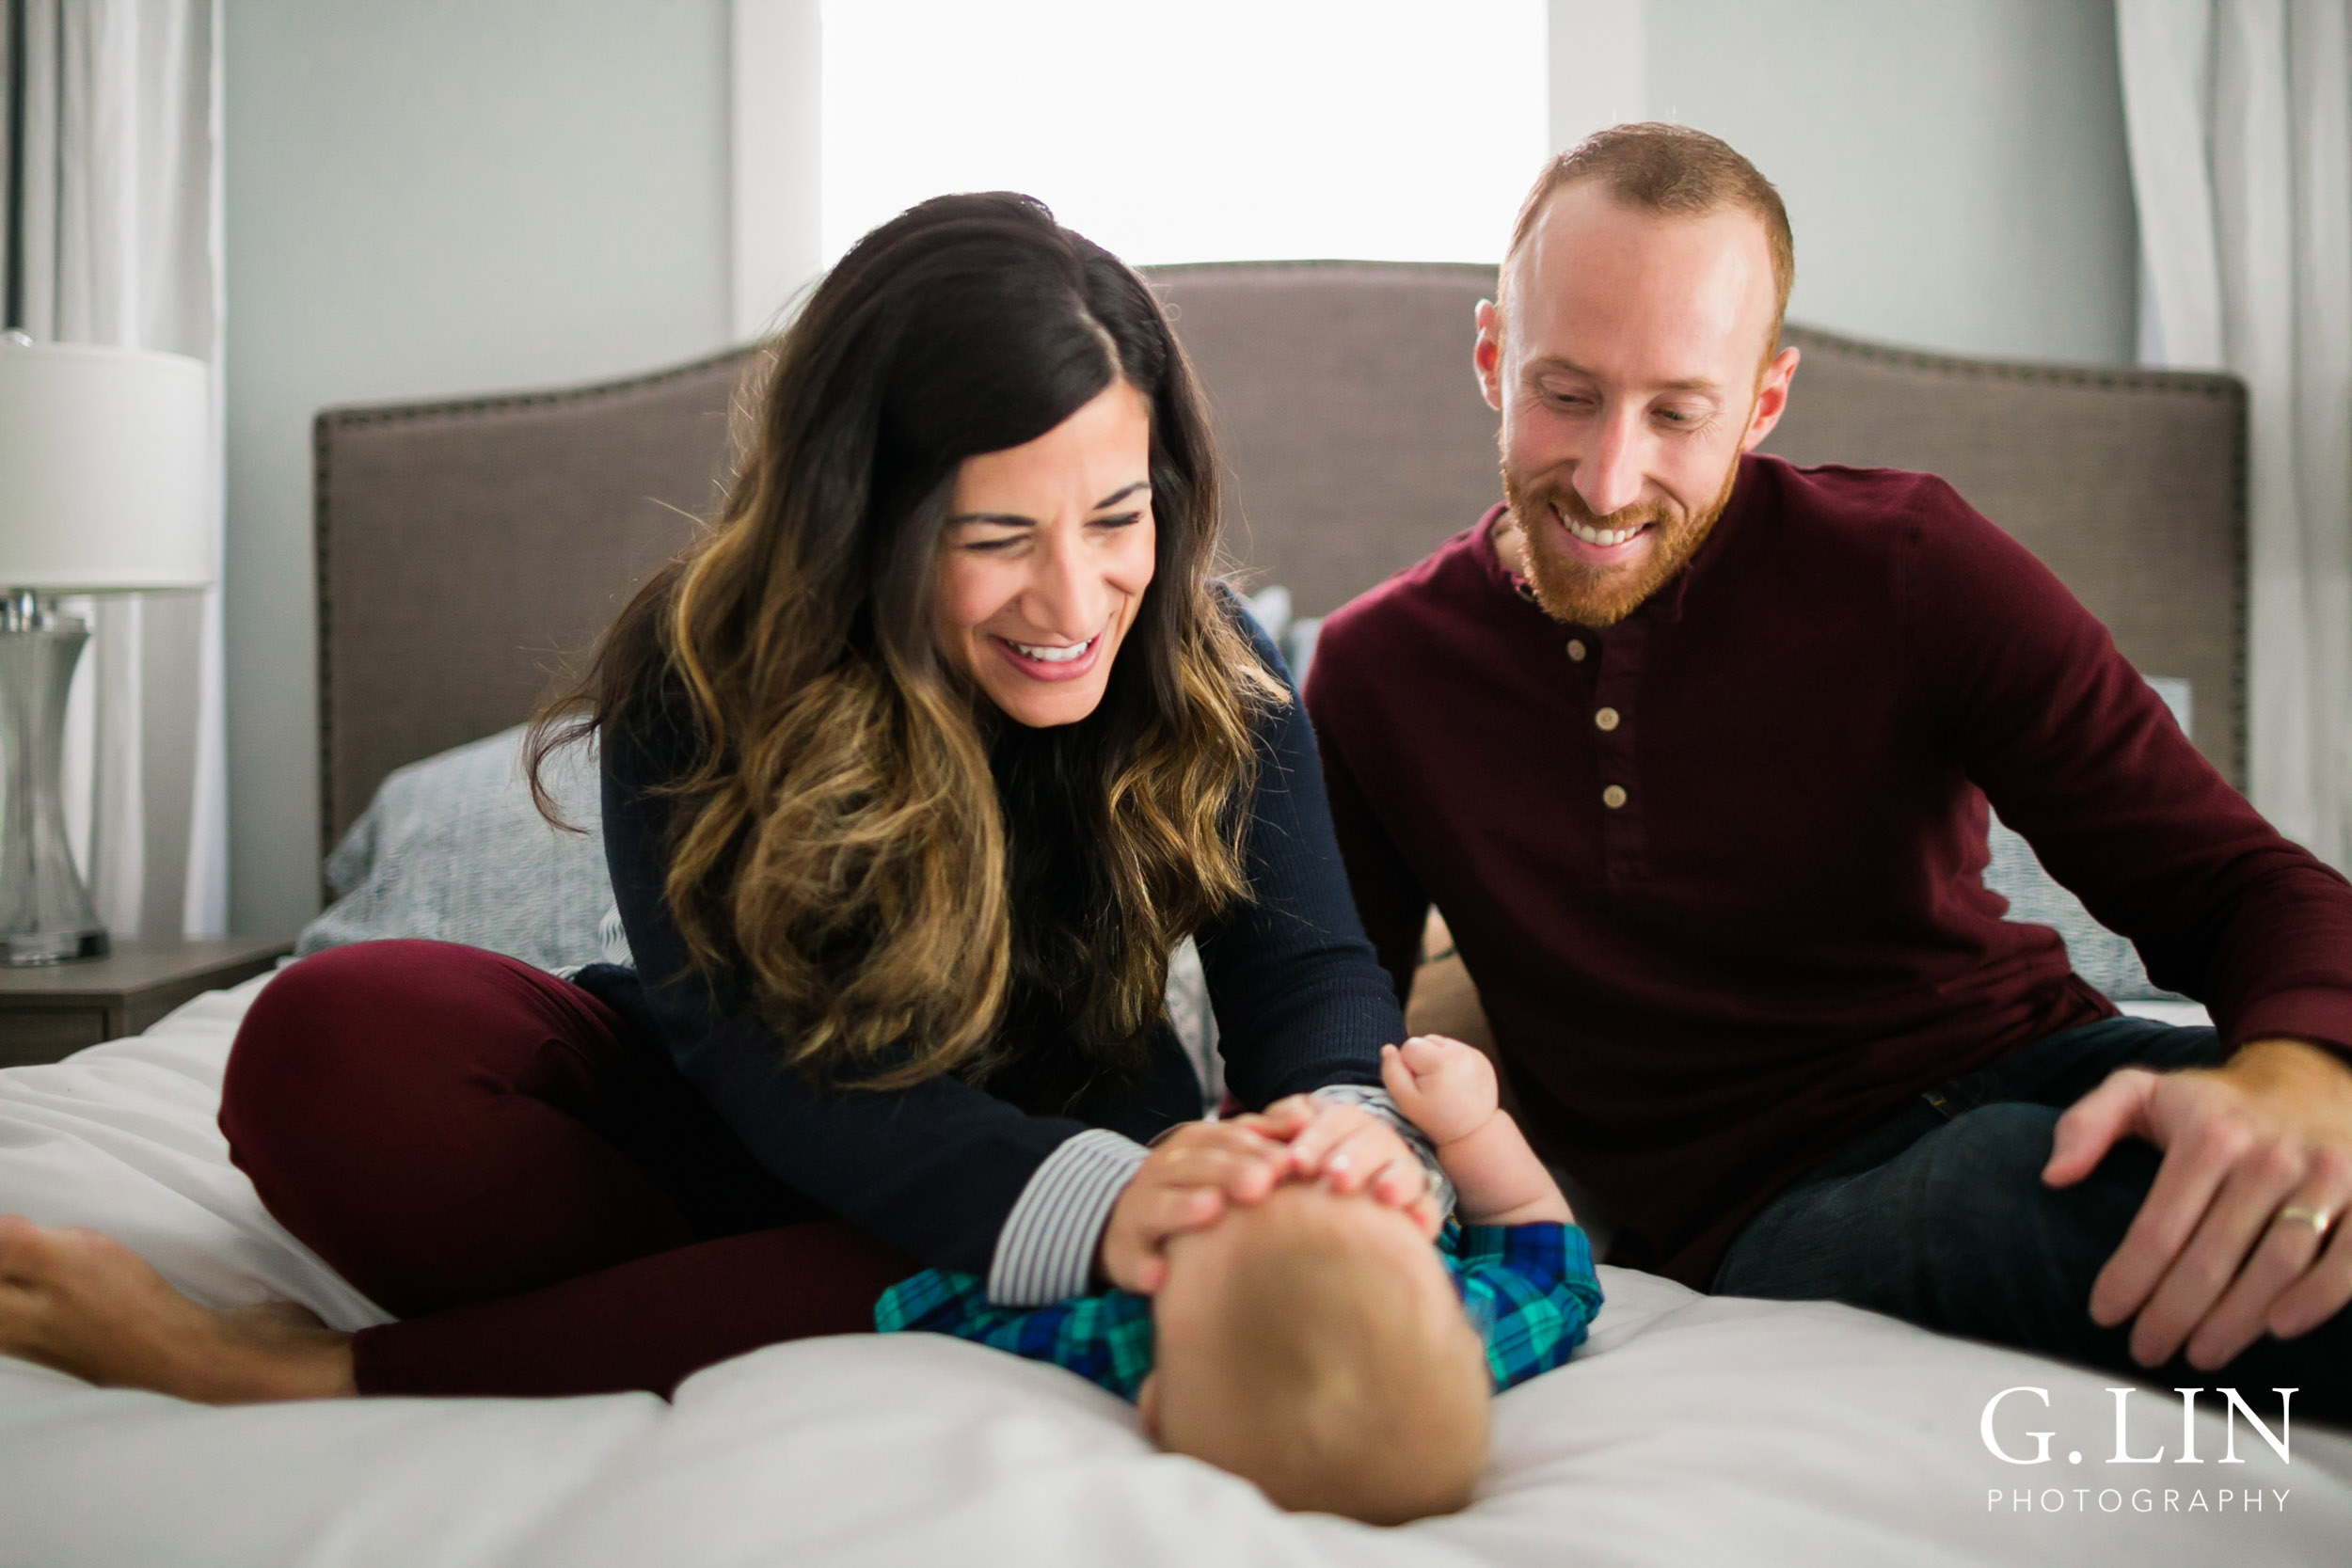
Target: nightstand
<point x="50" y="1011"/>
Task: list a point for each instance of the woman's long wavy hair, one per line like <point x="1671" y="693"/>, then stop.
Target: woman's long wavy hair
<point x="840" y="847"/>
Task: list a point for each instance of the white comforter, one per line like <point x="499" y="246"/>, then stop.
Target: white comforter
<point x="1690" y="1430"/>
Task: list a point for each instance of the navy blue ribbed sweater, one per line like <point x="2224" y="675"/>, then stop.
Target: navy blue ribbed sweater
<point x="935" y="1169"/>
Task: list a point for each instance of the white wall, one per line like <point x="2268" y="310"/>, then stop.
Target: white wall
<point x="776" y="150"/>
<point x="430" y="197"/>
<point x="1955" y="171"/>
<point x="1387" y="129"/>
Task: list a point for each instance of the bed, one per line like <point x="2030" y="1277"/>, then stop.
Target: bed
<point x="466" y="547"/>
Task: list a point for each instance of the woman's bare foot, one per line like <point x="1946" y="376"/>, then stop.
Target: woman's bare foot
<point x="86" y="1304"/>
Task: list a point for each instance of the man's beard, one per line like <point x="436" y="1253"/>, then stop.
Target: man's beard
<point x="1599" y="598"/>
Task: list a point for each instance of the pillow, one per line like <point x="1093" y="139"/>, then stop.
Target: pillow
<point x="1194" y="1018"/>
<point x="453" y="850"/>
<point x="2105" y="958"/>
<point x="1294" y="635"/>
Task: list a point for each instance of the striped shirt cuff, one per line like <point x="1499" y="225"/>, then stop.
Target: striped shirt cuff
<point x="1379" y="1104"/>
<point x="1046" y="1251"/>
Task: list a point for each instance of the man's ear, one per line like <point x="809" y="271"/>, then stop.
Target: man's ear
<point x="1771" y="398"/>
<point x="1148" y="1406"/>
<point x="1487" y="354"/>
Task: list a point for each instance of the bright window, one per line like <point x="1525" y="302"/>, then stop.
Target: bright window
<point x="1213" y="130"/>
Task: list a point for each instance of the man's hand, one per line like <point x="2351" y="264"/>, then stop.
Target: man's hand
<point x="1352" y="1151"/>
<point x="2243" y="1230"/>
<point x="1185" y="1184"/>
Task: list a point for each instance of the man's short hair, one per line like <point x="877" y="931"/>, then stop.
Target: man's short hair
<point x="1674" y="170"/>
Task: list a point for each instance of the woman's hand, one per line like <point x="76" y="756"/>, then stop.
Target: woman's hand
<point x="1185" y="1184"/>
<point x="1352" y="1151"/>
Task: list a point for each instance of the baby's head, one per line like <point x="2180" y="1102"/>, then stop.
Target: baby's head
<point x="1312" y="1344"/>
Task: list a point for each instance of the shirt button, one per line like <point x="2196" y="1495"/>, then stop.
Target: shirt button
<point x="1606" y="719"/>
<point x="1576" y="650"/>
<point x="1612" y="797"/>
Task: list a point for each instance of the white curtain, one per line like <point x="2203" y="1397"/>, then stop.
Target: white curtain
<point x="122" y="246"/>
<point x="2239" y="118"/>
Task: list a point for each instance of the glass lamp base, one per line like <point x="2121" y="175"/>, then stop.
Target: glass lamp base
<point x="46" y="913"/>
<point x="55" y="947"/>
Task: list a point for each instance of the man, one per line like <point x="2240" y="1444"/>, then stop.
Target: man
<point x="1692" y="748"/>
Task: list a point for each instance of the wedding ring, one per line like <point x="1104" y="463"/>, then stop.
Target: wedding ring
<point x="2318" y="1219"/>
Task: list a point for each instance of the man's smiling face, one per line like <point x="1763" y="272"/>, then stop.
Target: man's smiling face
<point x="1628" y="361"/>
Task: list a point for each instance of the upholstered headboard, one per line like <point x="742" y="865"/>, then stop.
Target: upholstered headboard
<point x="466" y="548"/>
<point x="463" y="547"/>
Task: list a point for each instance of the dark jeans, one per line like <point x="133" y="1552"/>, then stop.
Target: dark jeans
<point x="1940" y="1217"/>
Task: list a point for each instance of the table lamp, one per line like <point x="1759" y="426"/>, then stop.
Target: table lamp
<point x="104" y="479"/>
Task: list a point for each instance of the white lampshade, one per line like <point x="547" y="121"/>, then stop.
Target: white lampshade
<point x="104" y="469"/>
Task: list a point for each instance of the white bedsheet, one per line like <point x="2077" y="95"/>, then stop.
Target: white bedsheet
<point x="1690" y="1430"/>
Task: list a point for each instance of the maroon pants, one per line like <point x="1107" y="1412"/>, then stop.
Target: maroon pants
<point x="492" y="1154"/>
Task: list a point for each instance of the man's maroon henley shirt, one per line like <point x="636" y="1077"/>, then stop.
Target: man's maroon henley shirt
<point x="1718" y="870"/>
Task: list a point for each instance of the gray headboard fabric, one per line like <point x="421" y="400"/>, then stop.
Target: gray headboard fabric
<point x="466" y="548"/>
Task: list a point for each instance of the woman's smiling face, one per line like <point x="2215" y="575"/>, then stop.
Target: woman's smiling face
<point x="1046" y="553"/>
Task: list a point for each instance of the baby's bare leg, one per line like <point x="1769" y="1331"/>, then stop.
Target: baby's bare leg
<point x="86" y="1304"/>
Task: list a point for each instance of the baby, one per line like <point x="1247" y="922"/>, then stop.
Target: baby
<point x="1317" y="1344"/>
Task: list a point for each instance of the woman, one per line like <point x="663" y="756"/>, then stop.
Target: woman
<point x="915" y="770"/>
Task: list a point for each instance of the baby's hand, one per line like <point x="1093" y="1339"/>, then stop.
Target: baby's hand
<point x="1444" y="1087"/>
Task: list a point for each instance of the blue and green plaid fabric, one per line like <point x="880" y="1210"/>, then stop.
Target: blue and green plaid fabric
<point x="1529" y="1291"/>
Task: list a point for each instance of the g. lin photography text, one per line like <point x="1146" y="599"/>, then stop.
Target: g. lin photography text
<point x="2143" y="1498"/>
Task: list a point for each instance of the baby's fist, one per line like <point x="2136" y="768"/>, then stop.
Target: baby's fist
<point x="1444" y="1087"/>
